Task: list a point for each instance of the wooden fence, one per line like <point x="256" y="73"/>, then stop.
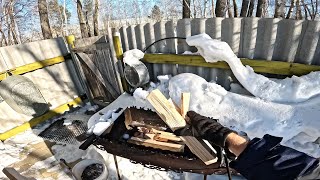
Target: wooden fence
<point x="98" y="67"/>
<point x="253" y="38"/>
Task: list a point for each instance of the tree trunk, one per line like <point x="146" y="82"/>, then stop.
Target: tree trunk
<point x="235" y="8"/>
<point x="82" y="21"/>
<point x="95" y="18"/>
<point x="244" y="8"/>
<point x="205" y="9"/>
<point x="298" y="10"/>
<point x="44" y="20"/>
<point x="279" y="9"/>
<point x="194" y="10"/>
<point x="290" y="9"/>
<point x="261" y="8"/>
<point x="186" y="9"/>
<point x="13" y="24"/>
<point x="251" y="7"/>
<point x="229" y="9"/>
<point x="212" y="9"/>
<point x="88" y="25"/>
<point x="220" y="8"/>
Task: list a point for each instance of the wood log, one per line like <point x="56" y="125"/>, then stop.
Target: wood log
<point x="185" y="102"/>
<point x="173" y="104"/>
<point x="199" y="150"/>
<point x="157" y="144"/>
<point x="165" y="110"/>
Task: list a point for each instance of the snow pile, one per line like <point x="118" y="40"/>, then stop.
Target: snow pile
<point x="105" y="121"/>
<point x="295" y="89"/>
<point x="252" y="115"/>
<point x="132" y="57"/>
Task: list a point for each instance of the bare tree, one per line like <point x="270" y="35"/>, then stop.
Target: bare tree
<point x="186" y="12"/>
<point x="82" y="21"/>
<point x="95" y="18"/>
<point x="229" y="9"/>
<point x="279" y="8"/>
<point x="261" y="8"/>
<point x="235" y="8"/>
<point x="244" y="8"/>
<point x="44" y="19"/>
<point x="212" y="9"/>
<point x="251" y="7"/>
<point x="298" y="10"/>
<point x="221" y="8"/>
<point x="290" y="9"/>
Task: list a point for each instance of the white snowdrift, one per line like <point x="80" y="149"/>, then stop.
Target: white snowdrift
<point x="297" y="123"/>
<point x="295" y="89"/>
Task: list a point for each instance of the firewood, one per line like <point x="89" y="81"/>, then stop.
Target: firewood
<point x="166" y="112"/>
<point x="199" y="150"/>
<point x="173" y="104"/>
<point x="157" y="144"/>
<point x="185" y="102"/>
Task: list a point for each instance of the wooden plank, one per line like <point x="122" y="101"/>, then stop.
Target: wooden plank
<point x="33" y="122"/>
<point x="185" y="101"/>
<point x="168" y="137"/>
<point x="12" y="174"/>
<point x="166" y="112"/>
<point x="33" y="66"/>
<point x="85" y="59"/>
<point x="173" y="104"/>
<point x="157" y="144"/>
<point x="260" y="66"/>
<point x="199" y="150"/>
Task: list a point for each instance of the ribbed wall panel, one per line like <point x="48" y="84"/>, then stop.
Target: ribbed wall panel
<point x="253" y="38"/>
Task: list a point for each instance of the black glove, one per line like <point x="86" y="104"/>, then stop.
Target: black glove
<point x="209" y="128"/>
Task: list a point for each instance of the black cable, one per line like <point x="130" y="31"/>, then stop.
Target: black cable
<point x="227" y="166"/>
<point x="162" y="40"/>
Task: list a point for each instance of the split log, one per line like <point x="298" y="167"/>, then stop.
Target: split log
<point x="185" y="102"/>
<point x="157" y="144"/>
<point x="166" y="112"/>
<point x="199" y="150"/>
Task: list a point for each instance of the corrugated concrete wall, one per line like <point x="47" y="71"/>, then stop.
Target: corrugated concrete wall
<point x="58" y="83"/>
<point x="254" y="38"/>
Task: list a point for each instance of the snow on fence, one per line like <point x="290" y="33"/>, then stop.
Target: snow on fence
<point x="253" y="38"/>
<point x="58" y="83"/>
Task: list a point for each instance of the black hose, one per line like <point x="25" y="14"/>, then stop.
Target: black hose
<point x="162" y="40"/>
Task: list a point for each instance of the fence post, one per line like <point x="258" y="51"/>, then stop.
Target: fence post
<point x="119" y="54"/>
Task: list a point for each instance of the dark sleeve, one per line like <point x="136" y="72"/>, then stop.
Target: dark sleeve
<point x="266" y="159"/>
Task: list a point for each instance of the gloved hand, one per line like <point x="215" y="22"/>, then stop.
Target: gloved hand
<point x="209" y="129"/>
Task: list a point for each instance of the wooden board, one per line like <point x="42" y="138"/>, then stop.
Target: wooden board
<point x="173" y="104"/>
<point x="185" y="102"/>
<point x="165" y="110"/>
<point x="260" y="66"/>
<point x="33" y="66"/>
<point x="199" y="150"/>
<point x="156" y="144"/>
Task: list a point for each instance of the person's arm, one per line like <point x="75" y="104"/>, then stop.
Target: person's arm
<point x="236" y="144"/>
<point x="259" y="158"/>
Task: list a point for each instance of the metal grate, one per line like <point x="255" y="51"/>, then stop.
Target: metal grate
<point x="58" y="132"/>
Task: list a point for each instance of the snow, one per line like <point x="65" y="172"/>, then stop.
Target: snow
<point x="133" y="56"/>
<point x="252" y="115"/>
<point x="289" y="90"/>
